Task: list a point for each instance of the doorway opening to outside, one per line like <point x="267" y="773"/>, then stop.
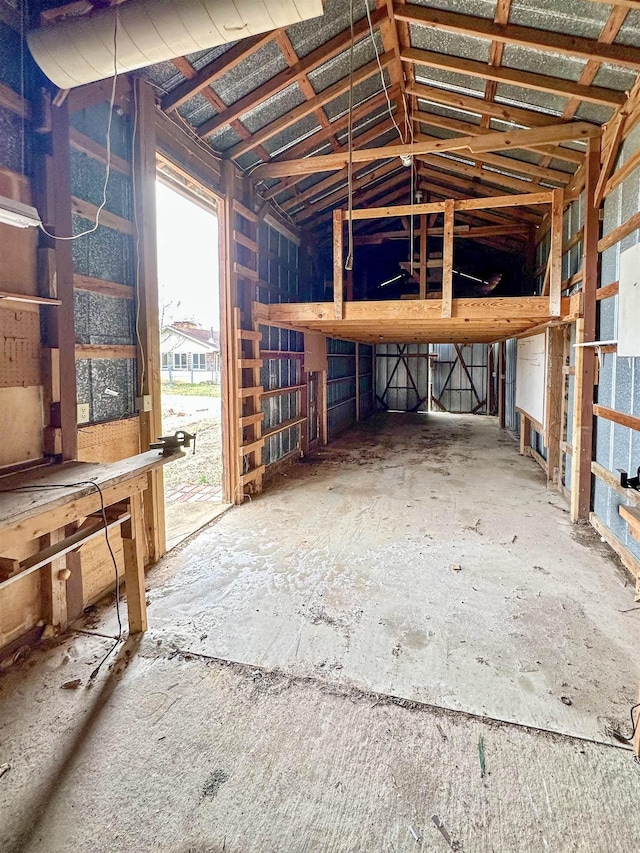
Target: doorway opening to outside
<point x="191" y="364"/>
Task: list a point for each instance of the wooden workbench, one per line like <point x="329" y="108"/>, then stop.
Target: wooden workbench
<point x="61" y="520"/>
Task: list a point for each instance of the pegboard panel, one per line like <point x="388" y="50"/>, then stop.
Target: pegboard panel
<point x="109" y="442"/>
<point x="19" y="348"/>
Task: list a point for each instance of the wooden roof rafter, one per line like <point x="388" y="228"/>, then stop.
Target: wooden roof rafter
<point x="522" y="36"/>
<point x="296" y="73"/>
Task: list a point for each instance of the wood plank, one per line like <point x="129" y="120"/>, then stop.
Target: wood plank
<point x="106" y="288"/>
<point x="11" y="100"/>
<point x="496" y="141"/>
<point x="60" y="327"/>
<point x="478" y="106"/>
<point x="105" y="351"/>
<point x="338" y="264"/>
<point x="293" y="74"/>
<point x="96" y="151"/>
<point x="253" y="391"/>
<point x="514" y="77"/>
<point x="250" y="420"/>
<point x="148" y="350"/>
<point x="251" y="447"/>
<point x="310" y="106"/>
<point x="213" y="70"/>
<point x="555" y="254"/>
<point x="248" y="335"/>
<point x="107" y="219"/>
<point x="245" y="272"/>
<point x="607" y="291"/>
<point x="134" y="567"/>
<point x="523" y="36"/>
<point x="585" y="360"/>
<point x="278" y="392"/>
<point x="554" y="395"/>
<point x="31" y="300"/>
<point x="630" y="421"/>
<point x="505" y="201"/>
<point x="243" y="210"/>
<point x="243" y="240"/>
<point x="631" y="515"/>
<point x="447" y="258"/>
<point x="250" y="476"/>
<point x="629" y="560"/>
<point x="619" y="233"/>
<point x="424" y="256"/>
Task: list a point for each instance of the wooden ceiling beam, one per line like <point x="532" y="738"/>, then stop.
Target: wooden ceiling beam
<point x="290" y="75"/>
<point x="188" y="71"/>
<point x="329" y="94"/>
<point x="312" y="143"/>
<point x="210" y="72"/>
<point x="394" y="179"/>
<point x="508" y="164"/>
<point x="477" y="106"/>
<point x="489" y="142"/>
<point x="336" y="177"/>
<point x="330" y="186"/>
<point x="515" y="34"/>
<point x="514" y="77"/>
<point x="477" y="172"/>
<point x="469" y="129"/>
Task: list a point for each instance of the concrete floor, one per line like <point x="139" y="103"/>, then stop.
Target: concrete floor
<point x="325" y="665"/>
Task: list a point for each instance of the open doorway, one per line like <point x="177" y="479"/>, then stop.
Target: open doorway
<point x="189" y="299"/>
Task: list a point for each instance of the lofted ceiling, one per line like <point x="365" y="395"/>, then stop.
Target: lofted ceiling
<point x="424" y="72"/>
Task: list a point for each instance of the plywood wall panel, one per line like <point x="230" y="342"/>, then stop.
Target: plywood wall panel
<point x="19" y="348"/>
<point x="21" y="424"/>
<point x="109" y="442"/>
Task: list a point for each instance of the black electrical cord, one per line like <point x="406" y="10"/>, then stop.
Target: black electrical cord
<point x="634" y="727"/>
<point x="103" y="512"/>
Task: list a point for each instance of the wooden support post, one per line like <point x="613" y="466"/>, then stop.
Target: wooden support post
<point x="133" y="542"/>
<point x="555" y="393"/>
<point x="502" y="383"/>
<point x="423" y="256"/>
<point x="228" y="346"/>
<point x="555" y="268"/>
<point x="525" y="435"/>
<point x="447" y="259"/>
<point x="586" y="356"/>
<point x="304" y="412"/>
<point x="53" y="583"/>
<point x="324" y="415"/>
<point x="149" y="361"/>
<point x="64" y="332"/>
<point x="338" y="264"/>
<point x="357" y="382"/>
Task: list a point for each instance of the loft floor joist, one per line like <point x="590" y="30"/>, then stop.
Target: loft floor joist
<point x="415" y="321"/>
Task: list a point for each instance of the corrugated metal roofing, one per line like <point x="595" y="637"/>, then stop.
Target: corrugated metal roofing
<point x="570" y="17"/>
<point x="256" y="69"/>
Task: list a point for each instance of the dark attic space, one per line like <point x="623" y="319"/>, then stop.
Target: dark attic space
<point x="320" y="408"/>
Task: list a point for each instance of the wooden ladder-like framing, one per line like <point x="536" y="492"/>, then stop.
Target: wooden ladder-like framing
<point x="250" y="467"/>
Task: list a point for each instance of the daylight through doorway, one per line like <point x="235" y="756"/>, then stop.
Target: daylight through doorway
<point x="189" y="275"/>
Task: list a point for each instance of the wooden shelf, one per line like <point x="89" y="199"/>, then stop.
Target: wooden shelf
<point x="25" y="297"/>
<point x="631" y="515"/>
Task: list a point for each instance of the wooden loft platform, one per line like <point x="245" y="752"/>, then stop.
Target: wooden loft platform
<point x="415" y="321"/>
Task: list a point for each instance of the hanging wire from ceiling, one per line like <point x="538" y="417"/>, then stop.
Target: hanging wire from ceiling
<point x="107" y="176"/>
<point x="384" y="84"/>
<point x="349" y="262"/>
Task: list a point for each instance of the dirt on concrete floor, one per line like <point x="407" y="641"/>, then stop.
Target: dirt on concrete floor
<point x="172" y="752"/>
<point x="338" y="663"/>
